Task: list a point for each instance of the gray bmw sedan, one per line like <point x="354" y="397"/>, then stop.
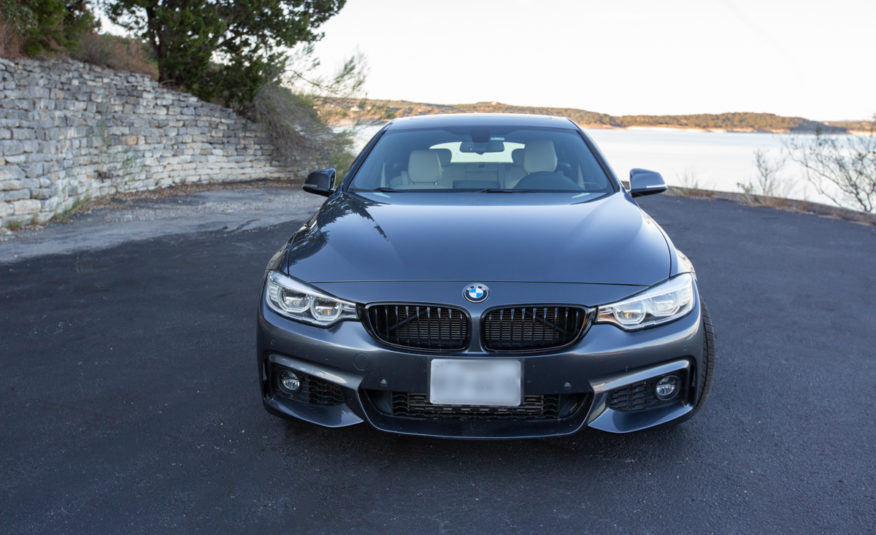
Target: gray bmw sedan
<point x="483" y="276"/>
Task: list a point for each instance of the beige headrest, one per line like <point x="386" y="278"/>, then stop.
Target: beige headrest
<point x="424" y="166"/>
<point x="444" y="156"/>
<point x="539" y="156"/>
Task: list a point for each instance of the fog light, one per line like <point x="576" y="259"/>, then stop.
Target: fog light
<point x="666" y="388"/>
<point x="290" y="382"/>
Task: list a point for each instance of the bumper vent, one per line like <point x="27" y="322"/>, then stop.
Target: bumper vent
<point x="534" y="407"/>
<point x="532" y="327"/>
<point x="640" y="396"/>
<point x="319" y="392"/>
<point x="313" y="390"/>
<point x="432" y="327"/>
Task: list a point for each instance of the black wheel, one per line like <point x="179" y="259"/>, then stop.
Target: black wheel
<point x="707" y="370"/>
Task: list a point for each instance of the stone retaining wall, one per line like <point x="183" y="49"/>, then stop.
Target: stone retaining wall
<point x="71" y="131"/>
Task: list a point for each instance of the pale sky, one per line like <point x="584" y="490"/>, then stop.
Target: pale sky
<point x="809" y="58"/>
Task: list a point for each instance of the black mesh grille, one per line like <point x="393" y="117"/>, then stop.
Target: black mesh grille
<point x="534" y="407"/>
<point x="639" y="396"/>
<point x="320" y="392"/>
<point x="313" y="390"/>
<point x="419" y="326"/>
<point x="532" y="327"/>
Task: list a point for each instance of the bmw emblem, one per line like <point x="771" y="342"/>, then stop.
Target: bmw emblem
<point x="476" y="292"/>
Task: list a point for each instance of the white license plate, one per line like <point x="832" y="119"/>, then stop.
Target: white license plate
<point x="496" y="383"/>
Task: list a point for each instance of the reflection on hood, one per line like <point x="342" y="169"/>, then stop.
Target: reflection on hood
<point x="479" y="237"/>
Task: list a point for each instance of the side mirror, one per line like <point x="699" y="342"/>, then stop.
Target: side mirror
<point x="644" y="182"/>
<point x="320" y="182"/>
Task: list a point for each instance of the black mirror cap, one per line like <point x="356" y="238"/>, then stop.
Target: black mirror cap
<point x="645" y="182"/>
<point x="321" y="182"/>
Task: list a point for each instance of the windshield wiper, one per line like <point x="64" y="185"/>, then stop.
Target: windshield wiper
<point x="382" y="189"/>
<point x="499" y="190"/>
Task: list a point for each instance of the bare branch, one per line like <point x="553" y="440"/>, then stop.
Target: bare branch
<point x="840" y="167"/>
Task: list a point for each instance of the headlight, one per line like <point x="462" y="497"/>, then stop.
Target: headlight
<point x="295" y="300"/>
<point x="663" y="303"/>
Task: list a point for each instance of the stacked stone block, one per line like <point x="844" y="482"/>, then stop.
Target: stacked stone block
<point x="71" y="131"/>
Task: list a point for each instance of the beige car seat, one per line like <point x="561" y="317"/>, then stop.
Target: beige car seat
<point x="539" y="156"/>
<point x="449" y="172"/>
<point x="424" y="170"/>
<point x="514" y="173"/>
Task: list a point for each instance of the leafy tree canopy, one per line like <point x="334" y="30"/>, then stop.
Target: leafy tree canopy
<point x="222" y="49"/>
<point x="46" y="26"/>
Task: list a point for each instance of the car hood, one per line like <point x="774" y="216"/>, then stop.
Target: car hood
<point x="479" y="237"/>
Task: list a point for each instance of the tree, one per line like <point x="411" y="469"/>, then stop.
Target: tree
<point x="222" y="49"/>
<point x="44" y="26"/>
<point x="841" y="167"/>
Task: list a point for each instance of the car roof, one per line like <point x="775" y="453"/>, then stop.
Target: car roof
<point x="476" y="119"/>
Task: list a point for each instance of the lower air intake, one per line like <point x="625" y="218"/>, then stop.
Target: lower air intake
<point x="534" y="407"/>
<point x="313" y="390"/>
<point x="640" y="396"/>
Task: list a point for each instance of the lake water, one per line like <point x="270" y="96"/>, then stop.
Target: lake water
<point x="706" y="160"/>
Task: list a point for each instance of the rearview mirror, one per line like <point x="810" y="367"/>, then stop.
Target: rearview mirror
<point x="320" y="182"/>
<point x="493" y="145"/>
<point x="645" y="182"/>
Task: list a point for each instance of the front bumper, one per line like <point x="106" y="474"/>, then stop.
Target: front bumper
<point x="584" y="381"/>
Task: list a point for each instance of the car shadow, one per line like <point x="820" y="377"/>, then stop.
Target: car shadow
<point x="662" y="443"/>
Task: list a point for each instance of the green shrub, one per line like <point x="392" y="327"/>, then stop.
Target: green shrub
<point x="222" y="51"/>
<point x="36" y="27"/>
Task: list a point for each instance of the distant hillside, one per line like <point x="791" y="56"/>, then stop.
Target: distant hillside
<point x="348" y="111"/>
<point x="856" y="126"/>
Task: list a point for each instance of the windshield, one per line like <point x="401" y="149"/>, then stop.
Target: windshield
<point x="482" y="158"/>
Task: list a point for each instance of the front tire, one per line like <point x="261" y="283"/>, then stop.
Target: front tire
<point x="707" y="371"/>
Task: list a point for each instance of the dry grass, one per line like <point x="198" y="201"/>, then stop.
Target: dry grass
<point x="691" y="187"/>
<point x="10" y="40"/>
<point x="295" y="128"/>
<point x="104" y="50"/>
<point x="188" y="189"/>
<point x="778" y="203"/>
<point x="695" y="192"/>
<point x="117" y="53"/>
<point x="16" y="225"/>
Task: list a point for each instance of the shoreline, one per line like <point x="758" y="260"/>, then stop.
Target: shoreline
<point x="365" y="123"/>
<point x="348" y="111"/>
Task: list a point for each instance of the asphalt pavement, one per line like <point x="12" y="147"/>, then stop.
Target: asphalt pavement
<point x="129" y="402"/>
